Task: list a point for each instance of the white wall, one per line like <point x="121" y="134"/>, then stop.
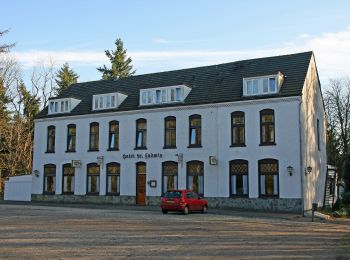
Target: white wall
<point x="18" y="188"/>
<point x="216" y="140"/>
<point x="312" y="109"/>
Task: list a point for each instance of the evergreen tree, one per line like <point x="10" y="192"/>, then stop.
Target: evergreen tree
<point x="31" y="103"/>
<point x="4" y="100"/>
<point x="346" y="173"/>
<point x="64" y="78"/>
<point x="121" y="64"/>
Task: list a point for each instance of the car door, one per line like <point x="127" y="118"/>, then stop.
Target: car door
<point x="196" y="201"/>
<point x="189" y="200"/>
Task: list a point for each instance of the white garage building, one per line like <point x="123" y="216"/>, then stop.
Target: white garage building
<point x="248" y="134"/>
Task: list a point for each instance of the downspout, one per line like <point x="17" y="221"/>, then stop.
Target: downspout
<point x="301" y="163"/>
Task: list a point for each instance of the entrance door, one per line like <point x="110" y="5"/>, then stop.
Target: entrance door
<point x="141" y="189"/>
<point x="141" y="183"/>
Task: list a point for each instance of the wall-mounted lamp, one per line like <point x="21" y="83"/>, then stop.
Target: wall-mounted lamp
<point x="290" y="170"/>
<point x="180" y="158"/>
<point x="36" y="173"/>
<point x="308" y="170"/>
<point x="100" y="161"/>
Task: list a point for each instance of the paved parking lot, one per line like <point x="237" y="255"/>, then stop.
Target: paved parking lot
<point x="57" y="232"/>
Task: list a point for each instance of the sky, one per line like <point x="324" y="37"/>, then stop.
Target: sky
<point x="162" y="35"/>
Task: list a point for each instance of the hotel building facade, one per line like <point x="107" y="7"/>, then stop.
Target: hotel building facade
<point x="245" y="134"/>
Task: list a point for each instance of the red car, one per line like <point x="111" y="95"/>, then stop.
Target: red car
<point x="183" y="201"/>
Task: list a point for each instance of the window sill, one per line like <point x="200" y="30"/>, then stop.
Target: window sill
<point x="194" y="146"/>
<point x="50" y="152"/>
<point x="169" y="147"/>
<point x="268" y="196"/>
<point x="140" y="148"/>
<point x="93" y="150"/>
<point x="112" y="149"/>
<point x="113" y="194"/>
<point x="267" y="144"/>
<point x="238" y="145"/>
<point x="73" y="151"/>
<point x="238" y="196"/>
<point x="49" y="193"/>
<point x="92" y="193"/>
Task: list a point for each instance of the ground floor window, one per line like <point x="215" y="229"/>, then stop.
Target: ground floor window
<point x="68" y="179"/>
<point x="169" y="172"/>
<point x="93" y="178"/>
<point x="195" y="177"/>
<point x="113" y="178"/>
<point x="268" y="178"/>
<point x="49" y="179"/>
<point x="238" y="178"/>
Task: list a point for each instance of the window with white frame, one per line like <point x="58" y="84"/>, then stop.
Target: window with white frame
<point x="262" y="85"/>
<point x="63" y="105"/>
<point x="172" y="94"/>
<point x="107" y="101"/>
<point x="59" y="106"/>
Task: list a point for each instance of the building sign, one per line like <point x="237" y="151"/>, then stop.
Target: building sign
<point x="142" y="156"/>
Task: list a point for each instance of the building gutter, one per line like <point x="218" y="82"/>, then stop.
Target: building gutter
<point x="301" y="163"/>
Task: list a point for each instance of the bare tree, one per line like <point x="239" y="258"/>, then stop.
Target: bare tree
<point x="17" y="129"/>
<point x="43" y="81"/>
<point x="337" y="102"/>
<point x="338" y="109"/>
<point x="5" y="47"/>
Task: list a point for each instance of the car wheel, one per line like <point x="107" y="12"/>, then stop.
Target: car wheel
<point x="186" y="210"/>
<point x="204" y="209"/>
<point x="164" y="211"/>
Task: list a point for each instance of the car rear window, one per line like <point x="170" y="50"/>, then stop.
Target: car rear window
<point x="173" y="194"/>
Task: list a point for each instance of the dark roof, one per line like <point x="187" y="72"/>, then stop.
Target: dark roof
<point x="210" y="84"/>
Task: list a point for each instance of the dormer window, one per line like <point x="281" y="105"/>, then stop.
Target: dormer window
<point x="163" y="95"/>
<point x="262" y="85"/>
<point x="107" y="101"/>
<point x="63" y="105"/>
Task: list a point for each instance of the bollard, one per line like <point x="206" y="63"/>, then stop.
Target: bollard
<point x="314" y="208"/>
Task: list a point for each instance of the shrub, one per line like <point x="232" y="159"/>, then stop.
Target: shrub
<point x="346" y="197"/>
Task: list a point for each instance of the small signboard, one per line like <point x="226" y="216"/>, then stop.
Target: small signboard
<point x="76" y="163"/>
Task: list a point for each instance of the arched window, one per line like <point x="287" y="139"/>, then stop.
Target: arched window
<point x="113" y="178"/>
<point x="238" y="178"/>
<point x="141" y="133"/>
<point x="94" y="136"/>
<point x="195" y="176"/>
<point x="51" y="133"/>
<point x="113" y="135"/>
<point x="268" y="178"/>
<point x="267" y="127"/>
<point x="170" y="132"/>
<point x="68" y="178"/>
<point x="195" y="131"/>
<point x="71" y="138"/>
<point x="93" y="178"/>
<point x="237" y="129"/>
<point x="169" y="176"/>
<point x="49" y="179"/>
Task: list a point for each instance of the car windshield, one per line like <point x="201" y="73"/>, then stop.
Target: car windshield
<point x="173" y="194"/>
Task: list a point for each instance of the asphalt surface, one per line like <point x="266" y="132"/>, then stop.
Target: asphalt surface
<point x="54" y="231"/>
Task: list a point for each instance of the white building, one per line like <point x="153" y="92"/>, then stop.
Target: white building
<point x="247" y="134"/>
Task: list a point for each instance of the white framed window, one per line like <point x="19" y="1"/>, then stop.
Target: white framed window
<point x="164" y="95"/>
<point x="158" y="96"/>
<point x="262" y="85"/>
<point x="62" y="105"/>
<point x="108" y="101"/>
<point x="178" y="94"/>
